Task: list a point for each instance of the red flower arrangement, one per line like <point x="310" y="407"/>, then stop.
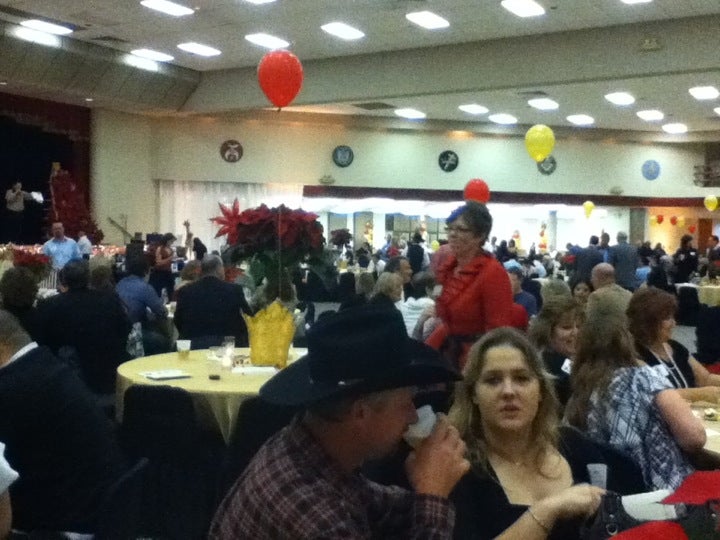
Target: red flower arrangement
<point x="271" y="239"/>
<point x="340" y="237"/>
<point x="37" y="263"/>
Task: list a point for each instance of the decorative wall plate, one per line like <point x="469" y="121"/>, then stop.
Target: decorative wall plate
<point x="548" y="165"/>
<point x="650" y="169"/>
<point x="343" y="156"/>
<point x="448" y="161"/>
<point x="231" y="151"/>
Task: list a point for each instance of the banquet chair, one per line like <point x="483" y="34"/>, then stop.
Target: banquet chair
<point x="688" y="306"/>
<point x="256" y="422"/>
<point x="159" y="423"/>
<point x="120" y="511"/>
<point x="706" y="332"/>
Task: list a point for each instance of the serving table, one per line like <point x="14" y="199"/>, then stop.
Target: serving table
<point x="216" y="401"/>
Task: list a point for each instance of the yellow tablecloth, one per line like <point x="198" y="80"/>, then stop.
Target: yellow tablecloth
<point x="709" y="294"/>
<point x="216" y="402"/>
<point x="713" y="436"/>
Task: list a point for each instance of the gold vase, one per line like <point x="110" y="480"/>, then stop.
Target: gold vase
<point x="270" y="332"/>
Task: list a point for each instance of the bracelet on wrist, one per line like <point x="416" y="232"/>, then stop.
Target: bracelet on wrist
<point x="542" y="525"/>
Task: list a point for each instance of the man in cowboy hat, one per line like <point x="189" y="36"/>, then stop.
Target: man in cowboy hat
<point x="356" y="387"/>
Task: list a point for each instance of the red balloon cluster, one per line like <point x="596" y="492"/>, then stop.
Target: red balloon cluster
<point x="692" y="229"/>
<point x="660" y="218"/>
<point x="280" y="75"/>
<point x="477" y="190"/>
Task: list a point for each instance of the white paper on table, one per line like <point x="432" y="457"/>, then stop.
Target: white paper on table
<point x="165" y="374"/>
<point x="711" y="432"/>
<point x="254" y="370"/>
<point x="647" y="506"/>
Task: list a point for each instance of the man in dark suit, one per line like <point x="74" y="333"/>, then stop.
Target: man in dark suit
<point x="624" y="258"/>
<point x="211" y="308"/>
<point x="587" y="259"/>
<point x="93" y="323"/>
<point x="56" y="438"/>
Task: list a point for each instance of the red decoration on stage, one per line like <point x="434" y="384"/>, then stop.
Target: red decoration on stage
<point x="673" y="220"/>
<point x="692" y="229"/>
<point x="228" y="221"/>
<point x="69" y="207"/>
<point x="280" y="75"/>
<point x="660" y="218"/>
<point x="477" y="190"/>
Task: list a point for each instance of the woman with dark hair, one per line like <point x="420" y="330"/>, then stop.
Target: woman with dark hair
<point x="685" y="259"/>
<point x="161" y="276"/>
<point x="18" y="292"/>
<point x="476" y="294"/>
<point x="554" y="332"/>
<point x="621" y="401"/>
<point x="581" y="289"/>
<point x="652" y="318"/>
<point x="528" y="477"/>
<point x="199" y="249"/>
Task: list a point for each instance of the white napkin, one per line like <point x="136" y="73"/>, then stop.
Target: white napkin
<point x="422" y="428"/>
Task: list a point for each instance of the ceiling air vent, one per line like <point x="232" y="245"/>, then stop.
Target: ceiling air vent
<point x="532" y="93"/>
<point x="373" y="106"/>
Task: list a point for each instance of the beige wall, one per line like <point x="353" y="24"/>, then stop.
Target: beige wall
<point x="130" y="152"/>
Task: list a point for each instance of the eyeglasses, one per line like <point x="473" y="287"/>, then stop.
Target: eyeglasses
<point x="457" y="229"/>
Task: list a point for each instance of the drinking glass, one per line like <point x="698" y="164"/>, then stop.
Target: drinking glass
<point x="183" y="348"/>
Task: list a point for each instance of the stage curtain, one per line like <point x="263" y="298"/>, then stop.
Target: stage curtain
<point x="198" y="202"/>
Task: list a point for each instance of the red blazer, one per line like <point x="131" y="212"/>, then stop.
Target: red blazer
<point x="473" y="301"/>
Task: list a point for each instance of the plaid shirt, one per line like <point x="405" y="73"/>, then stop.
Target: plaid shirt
<point x="293" y="490"/>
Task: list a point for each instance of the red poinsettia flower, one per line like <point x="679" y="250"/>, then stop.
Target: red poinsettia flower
<point x="228" y="221"/>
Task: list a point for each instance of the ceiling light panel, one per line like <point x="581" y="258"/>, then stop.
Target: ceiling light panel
<point x="473" y="108"/>
<point x="169" y="8"/>
<point x="650" y="115"/>
<point x="636" y="1"/>
<point x="342" y="30"/>
<point x="198" y="48"/>
<point x="427" y="19"/>
<point x="42" y="26"/>
<point x="704" y="92"/>
<point x="139" y="62"/>
<point x="675" y="128"/>
<point x="152" y="55"/>
<point x="35" y="36"/>
<point x="411" y="114"/>
<point x="716" y="109"/>
<point x="523" y="8"/>
<point x="621" y="99"/>
<point x="260" y="1"/>
<point x="267" y="41"/>
<point x="581" y="119"/>
<point x="503" y="118"/>
<point x="543" y="104"/>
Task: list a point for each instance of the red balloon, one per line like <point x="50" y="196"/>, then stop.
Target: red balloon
<point x="477" y="190"/>
<point x="692" y="229"/>
<point x="673" y="220"/>
<point x="280" y="75"/>
<point x="660" y="218"/>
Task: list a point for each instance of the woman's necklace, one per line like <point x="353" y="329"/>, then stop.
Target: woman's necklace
<point x="666" y="359"/>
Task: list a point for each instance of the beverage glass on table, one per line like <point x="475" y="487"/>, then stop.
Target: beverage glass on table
<point x="214" y="363"/>
<point x="183" y="348"/>
<point x="228" y="347"/>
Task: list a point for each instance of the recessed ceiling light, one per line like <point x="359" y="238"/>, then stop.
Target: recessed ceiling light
<point x="169" y="8"/>
<point x="581" y="119"/>
<point x="473" y="108"/>
<point x="89" y="99"/>
<point x="198" y="48"/>
<point x="523" y="8"/>
<point x="427" y="19"/>
<point x="620" y="98"/>
<point x="716" y="109"/>
<point x="675" y="128"/>
<point x="636" y="1"/>
<point x="35" y="36"/>
<point x="651" y="115"/>
<point x="4" y="83"/>
<point x="50" y="28"/>
<point x="412" y="114"/>
<point x="267" y="41"/>
<point x="543" y="104"/>
<point x="342" y="30"/>
<point x="502" y="118"/>
<point x="152" y="55"/>
<point x="140" y="62"/>
<point x="704" y="92"/>
<point x="260" y="1"/>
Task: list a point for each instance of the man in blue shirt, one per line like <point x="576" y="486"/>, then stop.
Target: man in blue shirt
<point x="59" y="248"/>
<point x="524" y="298"/>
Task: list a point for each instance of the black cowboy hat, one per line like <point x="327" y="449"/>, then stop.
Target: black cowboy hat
<point x="355" y="352"/>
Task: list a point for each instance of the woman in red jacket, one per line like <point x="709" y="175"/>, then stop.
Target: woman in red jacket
<point x="476" y="295"/>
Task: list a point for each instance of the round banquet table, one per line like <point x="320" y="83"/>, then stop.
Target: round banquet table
<point x="216" y="402"/>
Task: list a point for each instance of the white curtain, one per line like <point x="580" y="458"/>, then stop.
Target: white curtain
<point x="198" y="202"/>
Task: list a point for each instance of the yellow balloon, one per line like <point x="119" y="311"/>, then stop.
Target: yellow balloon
<point x="539" y="141"/>
<point x="588" y="206"/>
<point x="681" y="221"/>
<point x="711" y="202"/>
<point x="653" y="220"/>
<point x="435" y="245"/>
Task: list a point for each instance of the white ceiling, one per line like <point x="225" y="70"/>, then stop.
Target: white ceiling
<point x="224" y="23"/>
